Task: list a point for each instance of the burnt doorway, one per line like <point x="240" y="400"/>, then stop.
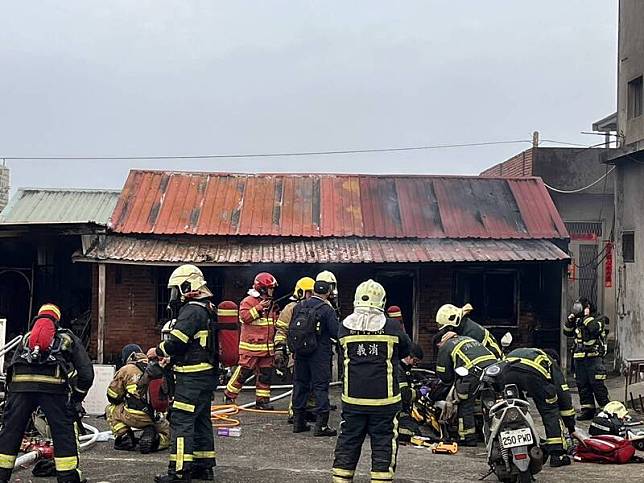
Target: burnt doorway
<point x="14" y="301"/>
<point x="400" y="288"/>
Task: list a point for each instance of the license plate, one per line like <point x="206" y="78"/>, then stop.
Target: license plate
<point x="516" y="437"/>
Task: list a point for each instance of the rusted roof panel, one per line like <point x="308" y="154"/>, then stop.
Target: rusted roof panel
<point x="234" y="250"/>
<point x="328" y="205"/>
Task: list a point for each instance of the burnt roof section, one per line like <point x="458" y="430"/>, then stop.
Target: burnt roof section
<point x="336" y="205"/>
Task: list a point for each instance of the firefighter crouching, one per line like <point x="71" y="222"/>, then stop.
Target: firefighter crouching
<point x="589" y="332"/>
<point x="257" y="314"/>
<point x="450" y="317"/>
<point x="461" y="351"/>
<point x="373" y="345"/>
<point x="407" y="426"/>
<point x="538" y="374"/>
<point x="130" y="407"/>
<point x="192" y="345"/>
<point x="51" y="370"/>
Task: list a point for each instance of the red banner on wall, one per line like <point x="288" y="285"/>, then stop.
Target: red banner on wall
<point x="608" y="265"/>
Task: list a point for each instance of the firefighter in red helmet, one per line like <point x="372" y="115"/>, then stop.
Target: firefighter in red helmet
<point x="258" y="315"/>
<point x="394" y="312"/>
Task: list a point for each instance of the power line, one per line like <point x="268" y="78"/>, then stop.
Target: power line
<point x="557" y="190"/>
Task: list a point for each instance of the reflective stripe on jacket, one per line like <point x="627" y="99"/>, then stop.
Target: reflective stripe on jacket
<point x="257" y="329"/>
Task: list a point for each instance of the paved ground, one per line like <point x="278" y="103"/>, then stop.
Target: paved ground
<point x="268" y="452"/>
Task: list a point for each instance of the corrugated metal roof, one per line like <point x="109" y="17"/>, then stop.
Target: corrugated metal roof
<point x="328" y="205"/>
<point x="44" y="206"/>
<point x="232" y="250"/>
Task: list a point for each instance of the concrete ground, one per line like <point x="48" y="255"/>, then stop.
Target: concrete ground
<point x="268" y="452"/>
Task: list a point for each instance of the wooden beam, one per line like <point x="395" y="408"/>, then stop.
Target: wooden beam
<point x="101" y="313"/>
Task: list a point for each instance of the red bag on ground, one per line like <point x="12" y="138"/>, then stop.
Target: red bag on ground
<point x="604" y="449"/>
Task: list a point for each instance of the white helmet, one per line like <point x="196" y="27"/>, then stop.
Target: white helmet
<point x="370" y="294"/>
<point x="188" y="278"/>
<point x="450" y="315"/>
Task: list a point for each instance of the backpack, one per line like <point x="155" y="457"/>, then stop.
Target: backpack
<point x="604" y="449"/>
<point x="304" y="330"/>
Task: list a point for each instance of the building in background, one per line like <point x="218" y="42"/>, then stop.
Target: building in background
<point x="5" y="185"/>
<point x="587" y="213"/>
<point x="40" y="229"/>
<point x="628" y="161"/>
<point x="499" y="244"/>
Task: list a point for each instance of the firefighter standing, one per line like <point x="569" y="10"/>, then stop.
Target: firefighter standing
<point x="50" y="369"/>
<point x="450" y="317"/>
<point x="589" y="332"/>
<point x="193" y="348"/>
<point x="373" y="345"/>
<point x="313" y="369"/>
<point x="394" y="312"/>
<point x="130" y="406"/>
<point x="461" y="351"/>
<point x="538" y="374"/>
<point x="257" y="314"/>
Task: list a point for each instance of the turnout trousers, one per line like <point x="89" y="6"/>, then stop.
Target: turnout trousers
<point x="544" y="395"/>
<point x="60" y="417"/>
<point x="312" y="375"/>
<point x="382" y="429"/>
<point x="590" y="375"/>
<point x="192" y="444"/>
<point x="121" y="419"/>
<point x="464" y="389"/>
<point x="261" y="367"/>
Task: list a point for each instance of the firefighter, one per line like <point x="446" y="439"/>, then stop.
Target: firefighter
<point x="450" y="317"/>
<point x="130" y="406"/>
<point x="192" y="345"/>
<point x="316" y="324"/>
<point x="407" y="426"/>
<point x="394" y="312"/>
<point x="461" y="351"/>
<point x="537" y="374"/>
<point x="50" y="369"/>
<point x="258" y="315"/>
<point x="589" y="331"/>
<point x="373" y="345"/>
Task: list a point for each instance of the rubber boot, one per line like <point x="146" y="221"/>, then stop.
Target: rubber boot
<point x="586" y="415"/>
<point x="125" y="442"/>
<point x="322" y="426"/>
<point x="299" y="423"/>
<point x="558" y="459"/>
<point x="469" y="442"/>
<point x="264" y="406"/>
<point x="149" y="441"/>
<point x="202" y="473"/>
<point x="173" y="478"/>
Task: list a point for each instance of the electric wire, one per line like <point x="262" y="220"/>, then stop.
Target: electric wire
<point x="579" y="190"/>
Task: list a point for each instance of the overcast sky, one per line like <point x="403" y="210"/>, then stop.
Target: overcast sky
<point x="123" y="77"/>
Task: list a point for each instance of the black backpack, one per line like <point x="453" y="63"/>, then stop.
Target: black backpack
<point x="304" y="330"/>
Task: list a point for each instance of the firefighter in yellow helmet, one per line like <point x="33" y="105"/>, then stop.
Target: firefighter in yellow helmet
<point x="455" y="319"/>
<point x="193" y="348"/>
<point x="373" y="345"/>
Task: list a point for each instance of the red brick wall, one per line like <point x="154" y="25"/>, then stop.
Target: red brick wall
<point x="519" y="165"/>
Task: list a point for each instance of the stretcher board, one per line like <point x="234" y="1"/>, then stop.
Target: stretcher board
<point x="96" y="399"/>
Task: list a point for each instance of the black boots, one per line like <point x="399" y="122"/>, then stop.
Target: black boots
<point x="264" y="406"/>
<point x="202" y="473"/>
<point x="149" y="441"/>
<point x="299" y="423"/>
<point x="125" y="442"/>
<point x="557" y="460"/>
<point x="322" y="426"/>
<point x="586" y="415"/>
<point x="173" y="478"/>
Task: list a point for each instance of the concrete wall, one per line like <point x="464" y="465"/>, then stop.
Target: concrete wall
<point x="629" y="200"/>
<point x="630" y="65"/>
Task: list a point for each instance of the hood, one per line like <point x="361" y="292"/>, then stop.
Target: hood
<point x="253" y="293"/>
<point x="367" y="319"/>
<point x="138" y="357"/>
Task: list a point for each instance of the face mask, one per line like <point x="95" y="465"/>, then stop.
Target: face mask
<point x="577" y="309"/>
<point x="174" y="303"/>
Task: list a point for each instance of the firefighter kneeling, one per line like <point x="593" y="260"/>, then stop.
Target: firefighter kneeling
<point x="50" y="369"/>
<point x="130" y="408"/>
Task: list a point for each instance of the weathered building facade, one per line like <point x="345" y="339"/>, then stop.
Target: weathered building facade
<point x="588" y="214"/>
<point x="497" y="243"/>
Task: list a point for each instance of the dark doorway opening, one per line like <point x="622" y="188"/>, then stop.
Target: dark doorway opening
<point x="399" y="286"/>
<point x="14" y="301"/>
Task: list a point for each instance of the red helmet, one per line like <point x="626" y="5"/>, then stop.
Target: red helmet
<point x="264" y="281"/>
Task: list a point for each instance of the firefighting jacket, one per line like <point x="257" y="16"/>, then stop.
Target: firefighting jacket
<point x="537" y="361"/>
<point x="189" y="342"/>
<point x="461" y="351"/>
<point x="65" y="368"/>
<point x="130" y="386"/>
<point x="469" y="328"/>
<point x="257" y="328"/>
<point x="370" y="380"/>
<point x="589" y="334"/>
<point x="283" y="323"/>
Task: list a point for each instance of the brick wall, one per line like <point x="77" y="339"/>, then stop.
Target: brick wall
<point x="519" y="165"/>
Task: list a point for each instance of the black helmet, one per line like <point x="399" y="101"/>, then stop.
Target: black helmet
<point x="128" y="350"/>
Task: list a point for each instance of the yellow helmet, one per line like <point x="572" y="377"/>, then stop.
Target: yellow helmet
<point x="616" y="408"/>
<point x="188" y="278"/>
<point x="303" y="285"/>
<point x="450" y="315"/>
<point x="370" y="294"/>
<point x="326" y="276"/>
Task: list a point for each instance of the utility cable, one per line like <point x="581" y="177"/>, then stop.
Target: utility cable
<point x="557" y="190"/>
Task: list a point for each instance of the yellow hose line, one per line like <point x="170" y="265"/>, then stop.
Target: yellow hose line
<point x="224" y="420"/>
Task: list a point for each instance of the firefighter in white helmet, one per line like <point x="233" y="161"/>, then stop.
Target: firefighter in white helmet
<point x="455" y="319"/>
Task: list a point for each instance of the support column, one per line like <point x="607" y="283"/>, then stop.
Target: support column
<point x="100" y="347"/>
